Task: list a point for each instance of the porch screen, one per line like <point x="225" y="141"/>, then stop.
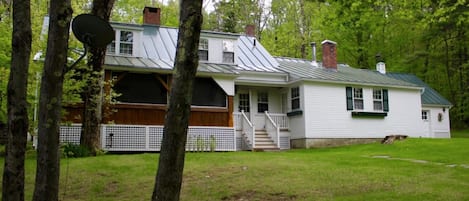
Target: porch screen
<point x="139" y="88"/>
<point x="208" y="93"/>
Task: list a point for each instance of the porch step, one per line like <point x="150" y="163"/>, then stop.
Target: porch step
<point x="264" y="142"/>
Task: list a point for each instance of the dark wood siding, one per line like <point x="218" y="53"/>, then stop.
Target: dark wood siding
<point x="147" y="114"/>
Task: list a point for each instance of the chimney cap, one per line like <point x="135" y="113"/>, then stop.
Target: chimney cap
<point x="328" y="41"/>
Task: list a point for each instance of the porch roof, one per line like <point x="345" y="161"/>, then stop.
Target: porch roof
<point x="149" y="64"/>
<point x="301" y="69"/>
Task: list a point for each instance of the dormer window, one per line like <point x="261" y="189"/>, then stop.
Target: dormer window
<point x="203" y="49"/>
<point x="126" y="40"/>
<point x="228" y="51"/>
<point x="124" y="46"/>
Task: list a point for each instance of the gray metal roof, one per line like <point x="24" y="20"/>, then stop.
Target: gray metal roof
<point x="429" y="96"/>
<point x="137" y="63"/>
<point x="159" y="51"/>
<point x="301" y="69"/>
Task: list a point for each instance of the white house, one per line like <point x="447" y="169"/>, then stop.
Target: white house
<point x="244" y="98"/>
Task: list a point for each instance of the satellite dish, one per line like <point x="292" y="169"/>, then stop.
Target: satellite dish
<point x="92" y="30"/>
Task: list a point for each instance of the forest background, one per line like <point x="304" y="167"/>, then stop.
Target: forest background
<point x="428" y="38"/>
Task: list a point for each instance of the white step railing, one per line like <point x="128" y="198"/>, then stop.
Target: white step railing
<point x="248" y="130"/>
<point x="272" y="129"/>
<point x="281" y="120"/>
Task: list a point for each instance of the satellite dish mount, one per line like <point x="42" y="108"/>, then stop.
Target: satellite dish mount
<point x="92" y="31"/>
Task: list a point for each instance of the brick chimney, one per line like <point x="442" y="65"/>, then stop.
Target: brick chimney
<point x="151" y="15"/>
<point x="329" y="55"/>
<point x="250" y="30"/>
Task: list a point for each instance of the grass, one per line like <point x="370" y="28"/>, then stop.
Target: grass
<point x="460" y="133"/>
<point x="344" y="173"/>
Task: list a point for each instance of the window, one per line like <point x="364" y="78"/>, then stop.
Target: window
<point x="126" y="40"/>
<point x="358" y="98"/>
<point x="111" y="48"/>
<point x="208" y="93"/>
<point x="262" y="102"/>
<point x="124" y="45"/>
<point x="355" y="99"/>
<point x="243" y="102"/>
<point x="228" y="51"/>
<point x="203" y="49"/>
<point x="377" y="100"/>
<point x="295" y="98"/>
<point x="139" y="88"/>
<point x="425" y="115"/>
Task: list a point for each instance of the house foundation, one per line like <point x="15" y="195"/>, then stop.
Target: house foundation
<point x="330" y="142"/>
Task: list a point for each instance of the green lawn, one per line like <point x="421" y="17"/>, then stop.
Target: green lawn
<point x="460" y="133"/>
<point x="414" y="169"/>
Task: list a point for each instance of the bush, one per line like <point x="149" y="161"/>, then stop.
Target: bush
<point x="75" y="151"/>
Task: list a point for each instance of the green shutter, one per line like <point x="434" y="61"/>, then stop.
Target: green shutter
<point x="385" y="100"/>
<point x="348" y="91"/>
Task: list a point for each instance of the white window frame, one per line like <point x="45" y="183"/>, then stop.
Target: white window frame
<point x="425" y="115"/>
<point x="261" y="99"/>
<point x="295" y="96"/>
<point x="114" y="48"/>
<point x="378" y="100"/>
<point x="228" y="49"/>
<point x="244" y="102"/>
<point x="357" y="95"/>
<point x="203" y="46"/>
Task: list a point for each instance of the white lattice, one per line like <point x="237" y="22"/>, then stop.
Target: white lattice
<point x="70" y="134"/>
<point x="125" y="138"/>
<point x="148" y="138"/>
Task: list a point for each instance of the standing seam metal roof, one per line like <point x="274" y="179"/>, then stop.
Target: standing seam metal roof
<point x="305" y="69"/>
<point x="429" y="96"/>
<point x="159" y="50"/>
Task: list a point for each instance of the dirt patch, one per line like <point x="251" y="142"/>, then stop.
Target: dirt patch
<point x="254" y="196"/>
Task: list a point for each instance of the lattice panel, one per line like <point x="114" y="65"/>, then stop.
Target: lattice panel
<point x="155" y="138"/>
<point x="284" y="142"/>
<point x="125" y="138"/>
<point x="70" y="134"/>
<point x="210" y="139"/>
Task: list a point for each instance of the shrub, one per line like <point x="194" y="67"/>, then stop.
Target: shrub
<point x="75" y="151"/>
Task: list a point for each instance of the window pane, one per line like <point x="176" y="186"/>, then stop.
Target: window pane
<point x="228" y="46"/>
<point x="378" y="105"/>
<point x="126" y="42"/>
<point x="262" y="102"/>
<point x="228" y="57"/>
<point x="126" y="36"/>
<point x="295" y="98"/>
<point x="203" y="44"/>
<point x="295" y="104"/>
<point x="111" y="48"/>
<point x="244" y="102"/>
<point x="203" y="55"/>
<point x="125" y="49"/>
<point x="358" y="104"/>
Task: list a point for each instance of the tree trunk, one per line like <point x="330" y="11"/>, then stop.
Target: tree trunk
<point x="13" y="172"/>
<point x="171" y="162"/>
<point x="50" y="102"/>
<point x="92" y="94"/>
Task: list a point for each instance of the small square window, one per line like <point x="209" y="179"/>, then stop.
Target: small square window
<point x="425" y="115"/>
<point x="203" y="49"/>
